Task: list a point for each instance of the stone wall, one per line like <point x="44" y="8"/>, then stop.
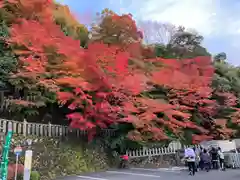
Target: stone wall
<point x="162" y="161"/>
<point x="60" y="157"/>
<point x="57" y="157"/>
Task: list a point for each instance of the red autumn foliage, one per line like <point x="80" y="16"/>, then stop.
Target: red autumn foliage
<point x="235" y="117"/>
<point x="226" y="99"/>
<point x="99" y="85"/>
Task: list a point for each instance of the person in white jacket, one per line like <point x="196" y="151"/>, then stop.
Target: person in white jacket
<point x="190" y="157"/>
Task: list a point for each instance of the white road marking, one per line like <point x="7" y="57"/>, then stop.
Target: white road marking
<point x="93" y="178"/>
<point x="157" y="170"/>
<point x="144" y="169"/>
<point x="179" y="168"/>
<point x="133" y="174"/>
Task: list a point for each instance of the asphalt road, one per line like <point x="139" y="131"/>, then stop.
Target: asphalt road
<point x="156" y="174"/>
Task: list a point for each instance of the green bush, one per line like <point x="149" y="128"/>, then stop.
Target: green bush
<point x="34" y="175"/>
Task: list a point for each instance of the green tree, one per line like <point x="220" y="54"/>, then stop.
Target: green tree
<point x="171" y="41"/>
<point x="69" y="24"/>
<point x="8" y="61"/>
<point x="220" y="56"/>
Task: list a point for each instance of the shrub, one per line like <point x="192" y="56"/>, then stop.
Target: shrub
<point x="35" y="175"/>
<point x="20" y="177"/>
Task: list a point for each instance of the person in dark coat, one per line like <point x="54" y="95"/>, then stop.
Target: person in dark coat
<point x="206" y="159"/>
<point x="201" y="163"/>
<point x="221" y="159"/>
<point x="214" y="156"/>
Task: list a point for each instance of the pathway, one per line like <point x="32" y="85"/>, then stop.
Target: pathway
<point x="156" y="174"/>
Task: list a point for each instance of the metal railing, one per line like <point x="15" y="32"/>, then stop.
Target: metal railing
<point x="232" y="159"/>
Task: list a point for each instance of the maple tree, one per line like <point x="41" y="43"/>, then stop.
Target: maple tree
<point x="206" y="105"/>
<point x="101" y="87"/>
<point x="41" y="68"/>
<point x="116" y="29"/>
<point x="34" y="97"/>
<point x="187" y="83"/>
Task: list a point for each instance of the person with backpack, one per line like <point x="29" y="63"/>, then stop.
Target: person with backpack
<point x="190" y="157"/>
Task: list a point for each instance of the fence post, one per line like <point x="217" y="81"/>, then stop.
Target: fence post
<point x="24" y="127"/>
<point x="49" y="129"/>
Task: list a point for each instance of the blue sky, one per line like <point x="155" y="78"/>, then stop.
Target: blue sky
<point x="217" y="20"/>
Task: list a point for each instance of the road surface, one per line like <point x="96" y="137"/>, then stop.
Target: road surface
<point x="156" y="174"/>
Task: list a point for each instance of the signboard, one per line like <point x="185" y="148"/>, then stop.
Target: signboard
<point x="17" y="150"/>
<point x="27" y="165"/>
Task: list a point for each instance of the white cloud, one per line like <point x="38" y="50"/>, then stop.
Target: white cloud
<point x="214" y="19"/>
<point x="209" y="17"/>
<point x="200" y="15"/>
<point x="217" y="20"/>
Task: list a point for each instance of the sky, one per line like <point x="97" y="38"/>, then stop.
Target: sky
<point x="217" y="20"/>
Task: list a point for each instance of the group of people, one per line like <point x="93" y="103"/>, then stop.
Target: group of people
<point x="204" y="159"/>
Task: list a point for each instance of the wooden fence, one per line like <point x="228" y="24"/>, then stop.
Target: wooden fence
<point x="6" y="102"/>
<point x="146" y="152"/>
<point x="25" y="128"/>
<point x="150" y="152"/>
<point x="156" y="151"/>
